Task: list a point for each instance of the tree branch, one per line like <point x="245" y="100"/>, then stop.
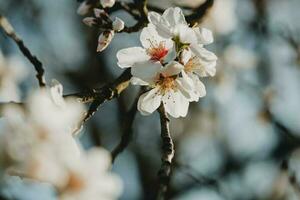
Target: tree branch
<point x="199" y="12"/>
<point x="9" y="31"/>
<point x="127" y="130"/>
<point x="98" y="96"/>
<point x="167" y="154"/>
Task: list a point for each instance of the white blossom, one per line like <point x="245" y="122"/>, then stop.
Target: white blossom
<point x="36" y="142"/>
<point x="240" y="57"/>
<point x="222" y="18"/>
<point x="155" y="48"/>
<point x="105" y="39"/>
<point x="172" y="24"/>
<point x="33" y="152"/>
<point x="89" y="179"/>
<point x="203" y="66"/>
<point x="64" y="114"/>
<point x="118" y="24"/>
<point x="173" y="91"/>
<point x="107" y="3"/>
<point x="173" y="83"/>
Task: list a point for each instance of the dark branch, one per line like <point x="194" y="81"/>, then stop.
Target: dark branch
<point x="127" y="130"/>
<point x="9" y="31"/>
<point x="199" y="12"/>
<point x="101" y="95"/>
<point x="167" y="154"/>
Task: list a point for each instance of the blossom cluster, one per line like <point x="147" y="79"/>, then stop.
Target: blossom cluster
<point x="102" y="20"/>
<point x="170" y="62"/>
<point x="36" y="142"/>
<point x="86" y="5"/>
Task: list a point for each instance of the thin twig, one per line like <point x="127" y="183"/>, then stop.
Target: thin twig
<point x="99" y="96"/>
<point x="196" y="176"/>
<point x="167" y="154"/>
<point x="127" y="131"/>
<point x="9" y="31"/>
<point x="199" y="12"/>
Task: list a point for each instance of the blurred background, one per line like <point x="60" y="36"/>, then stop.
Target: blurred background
<point x="240" y="142"/>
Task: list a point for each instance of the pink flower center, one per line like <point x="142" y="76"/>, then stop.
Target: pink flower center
<point x="158" y="52"/>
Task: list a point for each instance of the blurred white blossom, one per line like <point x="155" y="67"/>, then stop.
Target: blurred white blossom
<point x="88" y="179"/>
<point x="240" y="58"/>
<point x="12" y="72"/>
<point x="37" y="143"/>
<point x="222" y="17"/>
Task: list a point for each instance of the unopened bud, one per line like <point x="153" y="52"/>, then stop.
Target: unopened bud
<point x="83" y="8"/>
<point x="99" y="12"/>
<point x="118" y="24"/>
<point x="104" y="40"/>
<point x="107" y="3"/>
<point x="89" y="21"/>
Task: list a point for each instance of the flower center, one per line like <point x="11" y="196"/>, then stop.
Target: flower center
<point x="166" y="83"/>
<point x="157" y="52"/>
<point x="75" y="183"/>
<point x="191" y="65"/>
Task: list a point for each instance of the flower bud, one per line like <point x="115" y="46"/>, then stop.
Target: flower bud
<point x="84" y="8"/>
<point x="104" y="40"/>
<point x="118" y="24"/>
<point x="99" y="12"/>
<point x="107" y="3"/>
<point x="89" y="21"/>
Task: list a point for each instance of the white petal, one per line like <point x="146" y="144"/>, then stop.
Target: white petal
<point x="174" y="16"/>
<point x="199" y="89"/>
<point x="204" y="35"/>
<point x="186" y="86"/>
<point x="175" y="104"/>
<point x="149" y="37"/>
<point x="186" y="55"/>
<point x="146" y="70"/>
<point x="164" y="30"/>
<point x="98" y="158"/>
<point x="172" y="68"/>
<point x="205" y="68"/>
<point x="129" y="56"/>
<point x="186" y="34"/>
<point x="154" y="17"/>
<point x="161" y="25"/>
<point x="138" y="81"/>
<point x="203" y="53"/>
<point x="149" y="101"/>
